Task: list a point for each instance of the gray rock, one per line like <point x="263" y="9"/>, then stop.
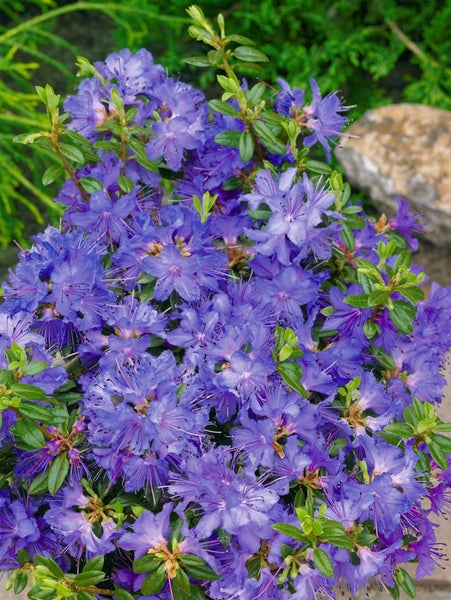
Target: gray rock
<point x="405" y="150"/>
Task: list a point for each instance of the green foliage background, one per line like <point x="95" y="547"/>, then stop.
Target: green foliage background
<point x="373" y="51"/>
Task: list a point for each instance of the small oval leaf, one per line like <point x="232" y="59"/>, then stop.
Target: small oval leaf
<point x="323" y="562"/>
<point x="57" y="472"/>
<point x="153" y="583"/>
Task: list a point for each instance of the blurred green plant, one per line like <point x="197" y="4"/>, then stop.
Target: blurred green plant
<point x="369" y="50"/>
<point x="366" y="49"/>
<point x="28" y="40"/>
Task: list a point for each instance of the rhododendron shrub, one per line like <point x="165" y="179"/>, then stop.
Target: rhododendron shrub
<point x="219" y="375"/>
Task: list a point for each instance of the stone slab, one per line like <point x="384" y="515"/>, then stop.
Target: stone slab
<point x="403" y="150"/>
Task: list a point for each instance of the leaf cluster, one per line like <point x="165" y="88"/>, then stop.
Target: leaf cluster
<point x="33" y="47"/>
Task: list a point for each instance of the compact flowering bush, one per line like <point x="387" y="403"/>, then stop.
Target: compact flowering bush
<point x="218" y="376"/>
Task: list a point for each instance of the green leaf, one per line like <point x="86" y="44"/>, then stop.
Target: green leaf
<point x="352" y="209"/>
<point x="401" y="315"/>
<point x="348" y="236"/>
<point x="29" y="433"/>
<point x="445" y="427"/>
<point x="225" y="108"/>
<point x="47" y="95"/>
<point x="23" y="556"/>
<point x="52" y="173"/>
<point x="28" y="138"/>
<point x="366" y="281"/>
<point x="195" y="593"/>
<point x="318" y="167"/>
<point x="50" y="564"/>
<point x="63" y="591"/>
<point x="357" y="300"/>
<point x="442" y="441"/>
<point x="255" y="94"/>
<point x="85" y="596"/>
<point x="188" y="558"/>
<point x="323" y="562"/>
<point x="385" y="359"/>
<point x="94" y="564"/>
<point x="91" y="184"/>
<point x="229" y="84"/>
<point x="365" y="538"/>
<point x="264" y="130"/>
<point x="413" y="294"/>
<point x="57" y="472"/>
<point x="290" y="530"/>
<point x="285" y="352"/>
<point x="403" y="430"/>
<point x="378" y="298"/>
<point x="153" y="583"/>
<point x="439" y="455"/>
<point x="20" y="582"/>
<point x="253" y="567"/>
<point x="371" y="329"/>
<point x="246" y="146"/>
<point x="268" y="136"/>
<point x="36" y="412"/>
<point x="405" y="582"/>
<point x="403" y="260"/>
<point x="146" y="564"/>
<point x="78" y="138"/>
<point x="116" y="99"/>
<point x="197" y="567"/>
<point x="335" y="533"/>
<point x="37" y="593"/>
<point x="89" y="578"/>
<point x="121" y="594"/>
<point x="35" y="367"/>
<point x="341" y="541"/>
<point x="125" y="183"/>
<point x="31" y="392"/>
<point x="394" y="591"/>
<point x="197" y="61"/>
<point x="247" y="54"/>
<point x="291" y="373"/>
<point x="181" y="581"/>
<point x="230" y="138"/>
<point x="424" y="425"/>
<point x="39" y="485"/>
<point x="274" y="146"/>
<point x="141" y="157"/>
<point x="240" y="39"/>
<point x="71" y="152"/>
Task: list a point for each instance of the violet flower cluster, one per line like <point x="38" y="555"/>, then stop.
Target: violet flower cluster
<point x="218" y="376"/>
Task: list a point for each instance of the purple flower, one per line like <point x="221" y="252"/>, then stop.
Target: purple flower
<point x="133" y="74"/>
<point x="80" y="523"/>
<point x="289" y="99"/>
<point x="288" y="291"/>
<point x="105" y="217"/>
<point x="171" y="139"/>
<point x="150" y="532"/>
<point x="407" y="223"/>
<point x="324" y="118"/>
<point x="176" y="420"/>
<point x="87" y="108"/>
<point x="244" y="374"/>
<point x="347" y="319"/>
<point x="174" y="272"/>
<point x="22" y="529"/>
<point x="236" y="502"/>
